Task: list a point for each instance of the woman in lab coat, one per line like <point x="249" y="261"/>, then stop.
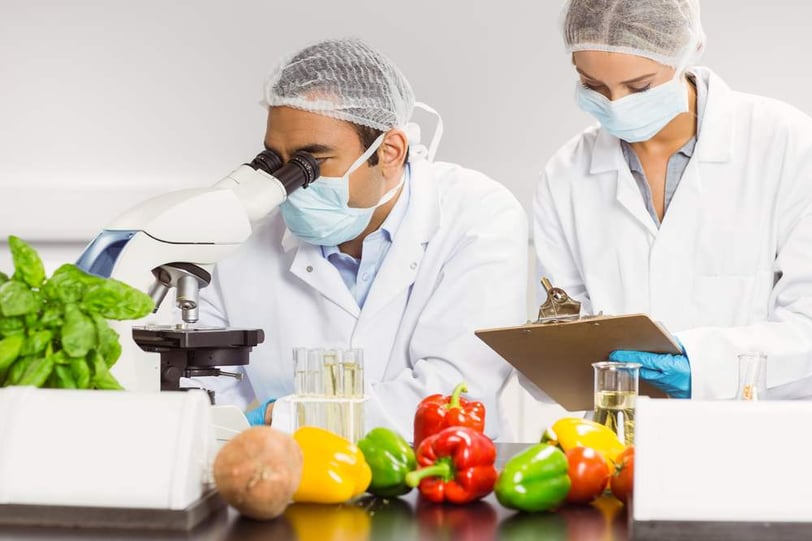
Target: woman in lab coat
<point x="690" y="202"/>
<point x="387" y="251"/>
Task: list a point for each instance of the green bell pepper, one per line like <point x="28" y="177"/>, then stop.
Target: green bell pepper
<point x="534" y="480"/>
<point x="390" y="457"/>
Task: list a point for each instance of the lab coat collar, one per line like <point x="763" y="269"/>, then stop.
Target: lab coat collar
<point x="401" y="265"/>
<point x="289" y="240"/>
<point x="606" y="153"/>
<point x="714" y="145"/>
<point x="423" y="218"/>
<point x="310" y="266"/>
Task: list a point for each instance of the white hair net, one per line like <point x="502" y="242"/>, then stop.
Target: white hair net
<point x="344" y="79"/>
<point x="666" y="31"/>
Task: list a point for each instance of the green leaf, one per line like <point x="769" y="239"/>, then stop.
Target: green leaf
<point x="64" y="377"/>
<point x="109" y="345"/>
<point x="69" y="283"/>
<point x="81" y="373"/>
<point x="52" y="316"/>
<point x="37" y="372"/>
<point x="97" y="365"/>
<point x="3" y="278"/>
<point x="10" y="326"/>
<point x="102" y="378"/>
<point x="36" y="342"/>
<point x="60" y="358"/>
<point x="16" y="299"/>
<point x="116" y="300"/>
<point x="78" y="332"/>
<point x="27" y="263"/>
<point x="10" y="348"/>
<point x="17" y="370"/>
<point x="107" y="382"/>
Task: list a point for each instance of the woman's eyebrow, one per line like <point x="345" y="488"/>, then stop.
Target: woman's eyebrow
<point x="630" y="81"/>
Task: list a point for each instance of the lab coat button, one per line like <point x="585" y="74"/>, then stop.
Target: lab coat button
<point x="309" y="268"/>
<point x="413" y="266"/>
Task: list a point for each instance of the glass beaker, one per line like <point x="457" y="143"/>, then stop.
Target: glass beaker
<point x="752" y="376"/>
<point x="616" y="386"/>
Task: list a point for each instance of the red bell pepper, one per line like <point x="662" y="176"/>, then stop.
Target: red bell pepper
<point x="457" y="465"/>
<point x="436" y="412"/>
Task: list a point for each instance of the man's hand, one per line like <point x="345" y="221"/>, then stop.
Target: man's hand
<point x="269" y="412"/>
<point x="261" y="415"/>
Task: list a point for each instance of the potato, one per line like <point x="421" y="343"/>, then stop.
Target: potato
<point x="258" y="471"/>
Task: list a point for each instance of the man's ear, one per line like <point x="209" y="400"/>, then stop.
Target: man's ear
<point x="392" y="152"/>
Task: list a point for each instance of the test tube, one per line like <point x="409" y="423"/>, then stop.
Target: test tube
<point x="300" y="374"/>
<point x="300" y="382"/>
<point x="331" y="379"/>
<point x="315" y="381"/>
<point x="331" y="372"/>
<point x="353" y="378"/>
<point x="352" y="368"/>
<point x="308" y="385"/>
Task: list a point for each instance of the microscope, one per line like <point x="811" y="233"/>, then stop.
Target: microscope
<point x="172" y="242"/>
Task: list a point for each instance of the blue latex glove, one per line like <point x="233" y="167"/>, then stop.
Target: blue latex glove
<point x="256" y="416"/>
<point x="670" y="373"/>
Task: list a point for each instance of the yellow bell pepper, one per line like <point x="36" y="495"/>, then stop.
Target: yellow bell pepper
<point x="571" y="432"/>
<point x="334" y="469"/>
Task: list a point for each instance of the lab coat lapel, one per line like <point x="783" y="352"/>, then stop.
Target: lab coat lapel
<point x="315" y="270"/>
<point x="400" y="266"/>
<point x="715" y="142"/>
<point x="607" y="157"/>
<point x="714" y="146"/>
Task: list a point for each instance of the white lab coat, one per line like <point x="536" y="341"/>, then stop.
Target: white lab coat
<point x="729" y="270"/>
<point x="458" y="262"/>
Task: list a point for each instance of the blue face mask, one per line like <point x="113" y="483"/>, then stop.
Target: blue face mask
<point x="320" y="214"/>
<point x="636" y="117"/>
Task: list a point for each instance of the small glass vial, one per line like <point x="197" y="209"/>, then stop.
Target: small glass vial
<point x="752" y="376"/>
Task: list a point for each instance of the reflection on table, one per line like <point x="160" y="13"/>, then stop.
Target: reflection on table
<point x="412" y="518"/>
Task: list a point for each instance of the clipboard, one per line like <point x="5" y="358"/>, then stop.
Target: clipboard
<point x="556" y="353"/>
<point x="558" y="357"/>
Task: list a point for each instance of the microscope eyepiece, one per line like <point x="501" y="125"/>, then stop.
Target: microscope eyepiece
<point x="268" y="161"/>
<point x="301" y="170"/>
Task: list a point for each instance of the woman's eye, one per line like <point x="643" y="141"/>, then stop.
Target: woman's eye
<point x="640" y="88"/>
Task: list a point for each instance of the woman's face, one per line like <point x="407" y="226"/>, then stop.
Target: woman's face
<point x="616" y="75"/>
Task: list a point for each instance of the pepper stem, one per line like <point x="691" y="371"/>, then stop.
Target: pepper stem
<point x="454" y="401"/>
<point x="440" y="469"/>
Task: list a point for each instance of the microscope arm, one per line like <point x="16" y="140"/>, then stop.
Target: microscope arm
<point x="257" y="191"/>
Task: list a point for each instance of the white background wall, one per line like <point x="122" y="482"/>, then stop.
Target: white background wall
<point x="105" y="102"/>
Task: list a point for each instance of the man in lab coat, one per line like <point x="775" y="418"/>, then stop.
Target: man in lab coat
<point x="387" y="251"/>
<point x="690" y="202"/>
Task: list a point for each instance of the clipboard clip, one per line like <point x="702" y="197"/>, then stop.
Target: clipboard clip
<point x="558" y="307"/>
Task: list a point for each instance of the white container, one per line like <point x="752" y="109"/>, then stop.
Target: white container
<point x="723" y="461"/>
<point x="103" y="448"/>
